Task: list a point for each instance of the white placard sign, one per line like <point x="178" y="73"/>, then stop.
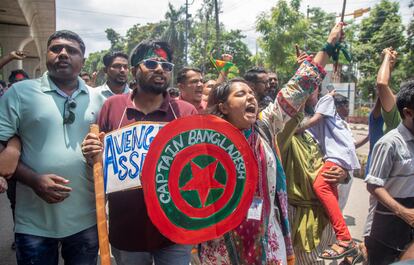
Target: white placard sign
<point x="124" y="154"/>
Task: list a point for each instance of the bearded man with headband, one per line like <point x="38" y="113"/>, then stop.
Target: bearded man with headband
<point x="133" y="237"/>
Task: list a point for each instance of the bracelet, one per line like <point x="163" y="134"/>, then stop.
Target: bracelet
<point x="329" y="49"/>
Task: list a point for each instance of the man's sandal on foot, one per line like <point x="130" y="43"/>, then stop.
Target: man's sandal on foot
<point x="339" y="250"/>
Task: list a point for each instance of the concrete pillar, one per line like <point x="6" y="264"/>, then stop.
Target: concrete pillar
<point x="41" y="16"/>
<point x="21" y="47"/>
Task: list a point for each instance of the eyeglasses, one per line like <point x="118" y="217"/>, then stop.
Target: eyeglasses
<point x="69" y="49"/>
<point x="120" y="66"/>
<point x="152" y="65"/>
<point x="68" y="114"/>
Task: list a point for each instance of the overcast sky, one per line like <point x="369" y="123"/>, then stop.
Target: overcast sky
<point x="90" y="18"/>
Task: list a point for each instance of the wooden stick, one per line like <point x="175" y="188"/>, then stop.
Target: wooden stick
<point x="342" y="20"/>
<point x="100" y="206"/>
<point x="343" y="10"/>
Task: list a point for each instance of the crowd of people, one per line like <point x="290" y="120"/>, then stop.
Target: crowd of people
<point x="300" y="139"/>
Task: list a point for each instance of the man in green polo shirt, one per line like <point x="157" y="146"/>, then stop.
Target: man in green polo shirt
<point x="55" y="195"/>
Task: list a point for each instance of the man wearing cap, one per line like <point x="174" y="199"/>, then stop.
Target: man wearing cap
<point x="55" y="206"/>
<point x="116" y="70"/>
<point x="133" y="237"/>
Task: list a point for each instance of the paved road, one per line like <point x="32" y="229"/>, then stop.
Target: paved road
<point x="7" y="256"/>
<point x="356" y="209"/>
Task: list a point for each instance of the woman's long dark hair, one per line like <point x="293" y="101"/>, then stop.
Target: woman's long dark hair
<point x="220" y="94"/>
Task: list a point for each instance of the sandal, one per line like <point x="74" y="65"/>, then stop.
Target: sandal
<point x="353" y="260"/>
<point x="361" y="257"/>
<point x="339" y="250"/>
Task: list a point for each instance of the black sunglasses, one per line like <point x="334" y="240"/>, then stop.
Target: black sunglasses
<point x="69" y="49"/>
<point x="153" y="64"/>
<point x="68" y="114"/>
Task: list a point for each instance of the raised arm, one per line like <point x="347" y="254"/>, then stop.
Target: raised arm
<point x="335" y="36"/>
<point x="306" y="79"/>
<point x="384" y="91"/>
<point x="14" y="55"/>
<point x="225" y="71"/>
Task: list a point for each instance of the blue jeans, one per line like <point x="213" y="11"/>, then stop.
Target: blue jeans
<point x="78" y="249"/>
<point x="175" y="254"/>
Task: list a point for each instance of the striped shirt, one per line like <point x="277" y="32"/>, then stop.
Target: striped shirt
<point x="392" y="167"/>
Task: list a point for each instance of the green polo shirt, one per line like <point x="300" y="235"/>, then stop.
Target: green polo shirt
<point x="34" y="110"/>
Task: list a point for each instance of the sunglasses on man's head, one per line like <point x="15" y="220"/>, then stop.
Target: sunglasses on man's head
<point x="153" y="64"/>
<point x="68" y="114"/>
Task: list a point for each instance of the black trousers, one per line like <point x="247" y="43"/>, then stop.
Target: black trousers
<point x="380" y="254"/>
<point x="390" y="235"/>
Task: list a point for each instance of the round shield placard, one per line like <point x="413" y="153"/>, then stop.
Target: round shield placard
<point x="199" y="178"/>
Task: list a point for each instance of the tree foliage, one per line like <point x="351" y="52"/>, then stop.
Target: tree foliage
<point x="174" y="33"/>
<point x="319" y="25"/>
<point x="202" y="40"/>
<point x="281" y="29"/>
<point x="138" y="33"/>
<point x="115" y="39"/>
<point x="381" y="29"/>
<point x="408" y="64"/>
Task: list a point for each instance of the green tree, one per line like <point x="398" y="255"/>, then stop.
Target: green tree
<point x="280" y="30"/>
<point x="319" y="25"/>
<point x="94" y="63"/>
<point x="383" y="28"/>
<point x="202" y="37"/>
<point x="139" y="32"/>
<point x="115" y="39"/>
<point x="232" y="43"/>
<point x="174" y="33"/>
<point x="203" y="42"/>
<point x="408" y="64"/>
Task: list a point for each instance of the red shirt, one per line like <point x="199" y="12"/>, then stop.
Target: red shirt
<point x="130" y="228"/>
<point x="201" y="108"/>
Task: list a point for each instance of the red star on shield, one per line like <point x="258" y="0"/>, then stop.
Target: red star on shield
<point x="203" y="180"/>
